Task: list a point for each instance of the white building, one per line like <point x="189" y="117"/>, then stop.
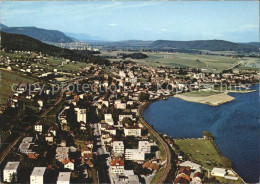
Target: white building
<point x="40" y="102"/>
<point x="134" y="154"/>
<point x="69" y="165"/>
<point x="38" y="128"/>
<point x="64" y="178"/>
<point x="218" y="172"/>
<point x="81" y="115"/>
<point x="120" y="106"/>
<point x="122" y="74"/>
<point x="62" y="153"/>
<point x="109" y="119"/>
<point x="10" y="170"/>
<point x="37" y="175"/>
<point x="121" y="117"/>
<point x="132" y="131"/>
<point x="26" y="145"/>
<point x="144" y="146"/>
<point x="118" y="147"/>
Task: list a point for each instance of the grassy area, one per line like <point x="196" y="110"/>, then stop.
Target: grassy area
<point x="201" y="151"/>
<point x="201" y="93"/>
<point x="8" y="78"/>
<point x="210" y="62"/>
<point x="158" y="175"/>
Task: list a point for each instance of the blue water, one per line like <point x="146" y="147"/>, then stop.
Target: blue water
<point x="235" y="126"/>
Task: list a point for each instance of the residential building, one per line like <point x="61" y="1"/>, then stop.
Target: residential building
<point x="118" y="147"/>
<point x="132" y="131"/>
<point x="37" y="175"/>
<point x="117" y="165"/>
<point x="144" y="146"/>
<point x="109" y="119"/>
<point x="134" y="154"/>
<point x="81" y="115"/>
<point x="38" y="128"/>
<point x="10" y="171"/>
<point x="64" y="178"/>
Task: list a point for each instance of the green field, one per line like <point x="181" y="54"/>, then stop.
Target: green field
<point x="8" y="78"/>
<point x="201" y="151"/>
<point x="215" y="62"/>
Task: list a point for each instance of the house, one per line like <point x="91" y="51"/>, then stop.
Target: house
<point x="64" y="178"/>
<point x="10" y="171"/>
<point x="134" y="154"/>
<point x="117" y="165"/>
<point x="81" y="114"/>
<point x="69" y="164"/>
<point x="109" y="119"/>
<point x="62" y="153"/>
<point x="38" y="128"/>
<point x="120" y="105"/>
<point x="37" y="175"/>
<point x="121" y="117"/>
<point x="132" y="131"/>
<point x="86" y="153"/>
<point x="40" y="102"/>
<point x="118" y="147"/>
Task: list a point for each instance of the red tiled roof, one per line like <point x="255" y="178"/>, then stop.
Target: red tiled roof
<point x="118" y="161"/>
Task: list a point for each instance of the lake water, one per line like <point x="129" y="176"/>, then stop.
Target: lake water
<point x="235" y="126"/>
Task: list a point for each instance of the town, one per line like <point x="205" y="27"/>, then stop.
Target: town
<point x="85" y="125"/>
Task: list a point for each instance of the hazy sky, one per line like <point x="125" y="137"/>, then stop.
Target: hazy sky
<point x="144" y="20"/>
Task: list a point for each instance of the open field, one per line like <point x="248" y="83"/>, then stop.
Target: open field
<point x="201" y="151"/>
<point x="201" y="93"/>
<point x="8" y="78"/>
<point x="210" y="98"/>
<point x="215" y="62"/>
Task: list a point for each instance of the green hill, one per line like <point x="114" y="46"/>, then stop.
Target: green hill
<point x="26" y="43"/>
<point x="38" y="33"/>
<point x="213" y="45"/>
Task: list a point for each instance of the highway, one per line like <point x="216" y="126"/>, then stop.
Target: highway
<point x="167" y="165"/>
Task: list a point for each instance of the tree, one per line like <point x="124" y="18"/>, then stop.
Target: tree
<point x="128" y="121"/>
<point x="143" y="96"/>
<point x="208" y="135"/>
<point x="227" y="163"/>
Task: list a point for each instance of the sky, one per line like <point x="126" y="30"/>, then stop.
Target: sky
<point x="236" y="21"/>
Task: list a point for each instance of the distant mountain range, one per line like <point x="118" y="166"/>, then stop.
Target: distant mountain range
<point x="84" y="37"/>
<point x="25" y="43"/>
<point x="38" y="33"/>
<point x="45" y="35"/>
<point x="213" y="45"/>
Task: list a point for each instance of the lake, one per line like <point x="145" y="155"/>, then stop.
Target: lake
<point x="235" y="126"/>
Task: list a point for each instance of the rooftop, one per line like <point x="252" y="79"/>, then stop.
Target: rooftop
<point x="64" y="176"/>
<point x="12" y="165"/>
<point x="38" y="171"/>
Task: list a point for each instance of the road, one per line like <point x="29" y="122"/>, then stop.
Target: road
<point x="167" y="165"/>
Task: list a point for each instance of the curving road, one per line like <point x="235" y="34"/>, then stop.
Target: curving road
<point x="167" y="165"/>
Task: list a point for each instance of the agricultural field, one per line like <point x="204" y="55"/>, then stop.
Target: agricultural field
<point x="8" y="78"/>
<point x="213" y="63"/>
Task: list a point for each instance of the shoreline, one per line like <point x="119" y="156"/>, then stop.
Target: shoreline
<point x="213" y="100"/>
<point x="147" y="104"/>
<point x="216" y="148"/>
